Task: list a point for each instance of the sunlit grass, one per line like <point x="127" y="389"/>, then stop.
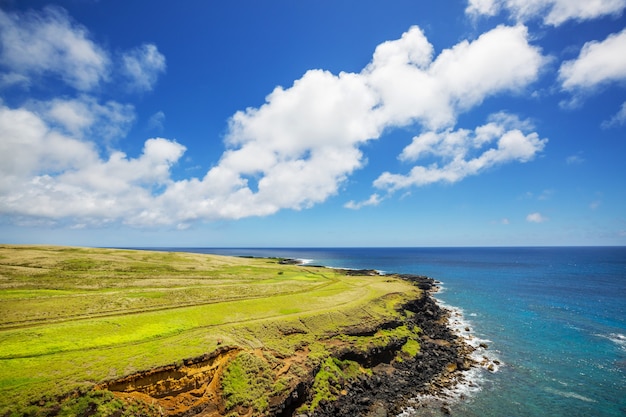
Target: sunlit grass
<point x="74" y="317"/>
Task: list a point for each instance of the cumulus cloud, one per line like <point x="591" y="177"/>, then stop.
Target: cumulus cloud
<point x="536" y="218"/>
<point x="45" y="173"/>
<point x="413" y="88"/>
<point x="142" y="66"/>
<point x="50" y="44"/>
<point x="552" y="12"/>
<point x="292" y="152"/>
<point x="464" y="152"/>
<point x="84" y="117"/>
<point x="598" y="63"/>
<point x="326" y="114"/>
<point x="374" y="200"/>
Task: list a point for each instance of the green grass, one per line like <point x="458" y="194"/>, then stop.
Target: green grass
<point x="331" y="378"/>
<point x="246" y="381"/>
<point x="71" y="318"/>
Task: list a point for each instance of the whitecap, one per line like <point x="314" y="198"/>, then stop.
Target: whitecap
<point x="469" y="382"/>
<point x="570" y="394"/>
<point x="617" y="338"/>
<point x="463" y="328"/>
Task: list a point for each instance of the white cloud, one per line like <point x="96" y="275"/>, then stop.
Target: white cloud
<point x="12" y="79"/>
<point x="374" y="200"/>
<point x="413" y="88"/>
<point x="156" y="121"/>
<point x="463" y="152"/>
<point x="618" y="118"/>
<point x="48" y="43"/>
<point x="552" y="12"/>
<point x="29" y="146"/>
<point x="536" y="218"/>
<point x="598" y="63"/>
<point x="574" y="159"/>
<point x="482" y="7"/>
<point x="47" y="174"/>
<point x="142" y="66"/>
<point x="292" y="152"/>
<point x="84" y="117"/>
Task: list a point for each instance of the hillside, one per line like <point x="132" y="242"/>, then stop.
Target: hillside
<point x="123" y="332"/>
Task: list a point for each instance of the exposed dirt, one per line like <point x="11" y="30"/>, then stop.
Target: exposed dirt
<point x="178" y="390"/>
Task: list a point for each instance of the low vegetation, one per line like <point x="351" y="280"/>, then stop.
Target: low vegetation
<point x="75" y="319"/>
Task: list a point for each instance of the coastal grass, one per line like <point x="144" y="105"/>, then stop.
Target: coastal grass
<point x="246" y="381"/>
<point x="329" y="381"/>
<point x="71" y="318"/>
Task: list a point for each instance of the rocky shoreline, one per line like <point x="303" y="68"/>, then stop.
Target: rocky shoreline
<point x="393" y="387"/>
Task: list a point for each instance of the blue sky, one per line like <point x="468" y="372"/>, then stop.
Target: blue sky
<point x="313" y="123"/>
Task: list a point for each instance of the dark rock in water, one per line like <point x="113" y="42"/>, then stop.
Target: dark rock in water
<point x="361" y="272"/>
<point x="289" y="261"/>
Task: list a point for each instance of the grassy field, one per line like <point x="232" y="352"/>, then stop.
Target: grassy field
<point x="71" y="318"/>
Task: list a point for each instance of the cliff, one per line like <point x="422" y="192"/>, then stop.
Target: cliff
<point x="370" y="369"/>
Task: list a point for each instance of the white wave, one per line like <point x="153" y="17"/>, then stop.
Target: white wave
<point x="304" y="261"/>
<point x="570" y="394"/>
<point x="617" y="338"/>
<point x="469" y="382"/>
<point x="462" y="327"/>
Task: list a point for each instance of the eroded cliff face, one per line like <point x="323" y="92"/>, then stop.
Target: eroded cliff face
<point x="178" y="389"/>
<point x="365" y="369"/>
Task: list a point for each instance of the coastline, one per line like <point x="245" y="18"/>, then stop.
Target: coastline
<point x="390" y="387"/>
<point x="446" y="369"/>
<point x="433" y="379"/>
<point x="449" y="388"/>
<point x="376" y="357"/>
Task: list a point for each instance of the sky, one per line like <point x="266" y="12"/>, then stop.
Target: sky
<point x="309" y="123"/>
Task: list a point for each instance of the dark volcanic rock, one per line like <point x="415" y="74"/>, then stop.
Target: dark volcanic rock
<point x="392" y="384"/>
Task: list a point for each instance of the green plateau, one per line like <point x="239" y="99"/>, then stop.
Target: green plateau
<point x="113" y="332"/>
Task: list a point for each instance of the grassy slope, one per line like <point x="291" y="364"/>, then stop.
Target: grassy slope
<point x="73" y="317"/>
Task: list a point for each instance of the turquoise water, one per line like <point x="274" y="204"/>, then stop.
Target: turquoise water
<point x="554" y="317"/>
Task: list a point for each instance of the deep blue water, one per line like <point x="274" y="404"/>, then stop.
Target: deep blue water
<point x="555" y="317"/>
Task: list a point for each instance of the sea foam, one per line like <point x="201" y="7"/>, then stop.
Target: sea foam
<point x="467" y="383"/>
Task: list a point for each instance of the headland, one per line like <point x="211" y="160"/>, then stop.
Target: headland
<point x="117" y="332"/>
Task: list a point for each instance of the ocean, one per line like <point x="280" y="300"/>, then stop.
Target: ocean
<point x="553" y="317"/>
